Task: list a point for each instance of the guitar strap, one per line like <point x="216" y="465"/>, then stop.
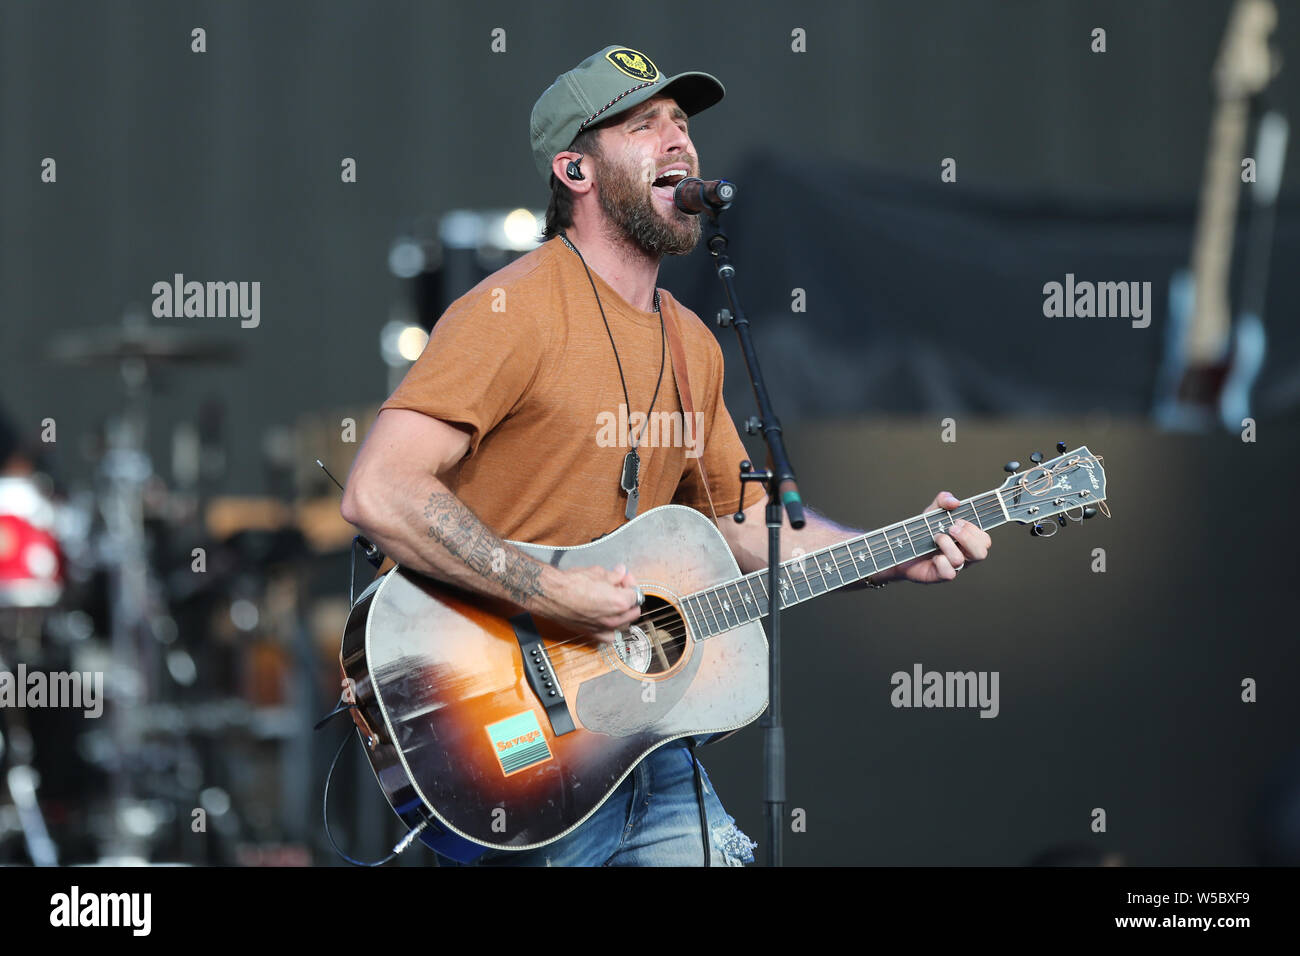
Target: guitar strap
<point x="688" y="409"/>
<point x="684" y="393"/>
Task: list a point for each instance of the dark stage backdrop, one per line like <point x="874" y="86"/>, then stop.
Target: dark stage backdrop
<point x="1119" y="690"/>
<point x="888" y="295"/>
<point x="225" y="165"/>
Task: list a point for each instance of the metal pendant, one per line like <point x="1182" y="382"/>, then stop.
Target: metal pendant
<point x="631" y="476"/>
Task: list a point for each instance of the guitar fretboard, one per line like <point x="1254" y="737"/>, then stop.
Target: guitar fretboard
<point x="745" y="599"/>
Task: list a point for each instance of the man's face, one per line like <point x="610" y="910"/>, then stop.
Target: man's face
<point x="642" y="147"/>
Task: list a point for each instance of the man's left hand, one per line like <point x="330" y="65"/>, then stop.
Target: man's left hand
<point x="963" y="545"/>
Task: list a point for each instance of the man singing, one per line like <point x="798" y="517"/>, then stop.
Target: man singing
<point x="502" y="428"/>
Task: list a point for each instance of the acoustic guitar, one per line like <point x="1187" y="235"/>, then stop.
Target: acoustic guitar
<point x="489" y="728"/>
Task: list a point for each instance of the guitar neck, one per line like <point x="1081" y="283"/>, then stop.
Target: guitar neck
<point x="745" y="599"/>
<point x="1244" y="67"/>
<point x="1215" y="228"/>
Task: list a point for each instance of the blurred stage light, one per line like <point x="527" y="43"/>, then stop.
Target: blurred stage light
<point x="401" y="342"/>
<point x="461" y="229"/>
<point x="243" y="614"/>
<point x="440" y="260"/>
<point x="182" y="668"/>
<point x="520" y="230"/>
<point x="137" y="819"/>
<point x="490" y="230"/>
<point x="411" y="341"/>
<point x="406" y="258"/>
<point x="215" y="800"/>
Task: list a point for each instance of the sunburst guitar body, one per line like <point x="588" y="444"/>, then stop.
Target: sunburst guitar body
<point x="504" y="731"/>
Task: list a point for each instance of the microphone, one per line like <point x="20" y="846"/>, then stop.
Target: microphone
<point x="695" y="196"/>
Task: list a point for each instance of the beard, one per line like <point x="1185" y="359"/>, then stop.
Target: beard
<point x="630" y="206"/>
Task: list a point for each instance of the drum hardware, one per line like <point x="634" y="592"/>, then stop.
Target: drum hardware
<point x="21" y="780"/>
<point x="126" y="489"/>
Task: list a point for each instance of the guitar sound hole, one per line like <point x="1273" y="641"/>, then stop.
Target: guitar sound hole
<point x="656" y="641"/>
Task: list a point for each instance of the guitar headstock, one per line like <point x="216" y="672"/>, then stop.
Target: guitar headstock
<point x="1047" y="489"/>
<point x="1246" y="64"/>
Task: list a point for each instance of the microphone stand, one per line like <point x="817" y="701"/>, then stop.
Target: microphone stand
<point x="782" y="492"/>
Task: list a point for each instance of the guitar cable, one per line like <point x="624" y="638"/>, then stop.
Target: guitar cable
<point x="375" y="558"/>
<point x="699" y="795"/>
<point x="403" y="844"/>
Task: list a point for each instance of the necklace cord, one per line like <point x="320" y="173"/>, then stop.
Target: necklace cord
<point x="662" y="339"/>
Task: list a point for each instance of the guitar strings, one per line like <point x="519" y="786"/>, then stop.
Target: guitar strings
<point x="670" y="619"/>
<point x="665" y="619"/>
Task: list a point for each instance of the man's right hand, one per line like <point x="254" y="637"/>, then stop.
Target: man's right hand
<point x="596" y="601"/>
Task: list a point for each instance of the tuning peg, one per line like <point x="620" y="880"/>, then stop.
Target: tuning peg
<point x="1060" y="448"/>
<point x="1089" y="512"/>
<point x="1060" y="519"/>
<point x="1036" y="457"/>
<point x="1011" y="466"/>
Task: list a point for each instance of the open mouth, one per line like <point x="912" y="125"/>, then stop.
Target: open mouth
<point x="666" y="184"/>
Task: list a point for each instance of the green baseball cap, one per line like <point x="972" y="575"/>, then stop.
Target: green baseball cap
<point x="602" y="86"/>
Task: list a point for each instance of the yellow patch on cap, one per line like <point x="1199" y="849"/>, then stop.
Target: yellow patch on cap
<point x="634" y="64"/>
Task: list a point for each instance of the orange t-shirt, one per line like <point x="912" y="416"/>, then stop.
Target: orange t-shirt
<point x="524" y="361"/>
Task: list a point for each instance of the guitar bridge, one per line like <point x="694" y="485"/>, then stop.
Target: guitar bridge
<point x="541" y="674"/>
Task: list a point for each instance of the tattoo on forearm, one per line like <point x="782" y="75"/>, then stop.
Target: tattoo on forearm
<point x="458" y="530"/>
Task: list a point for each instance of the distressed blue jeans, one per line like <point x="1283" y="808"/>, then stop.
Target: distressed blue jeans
<point x="652" y="819"/>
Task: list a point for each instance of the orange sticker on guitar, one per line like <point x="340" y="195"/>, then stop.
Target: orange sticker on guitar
<point x="518" y="742"/>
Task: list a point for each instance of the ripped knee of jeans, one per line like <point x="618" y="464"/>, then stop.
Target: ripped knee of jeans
<point x="736" y="848"/>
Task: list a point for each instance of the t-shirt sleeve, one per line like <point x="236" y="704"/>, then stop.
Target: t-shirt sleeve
<point x="475" y="370"/>
<point x="720" y="447"/>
